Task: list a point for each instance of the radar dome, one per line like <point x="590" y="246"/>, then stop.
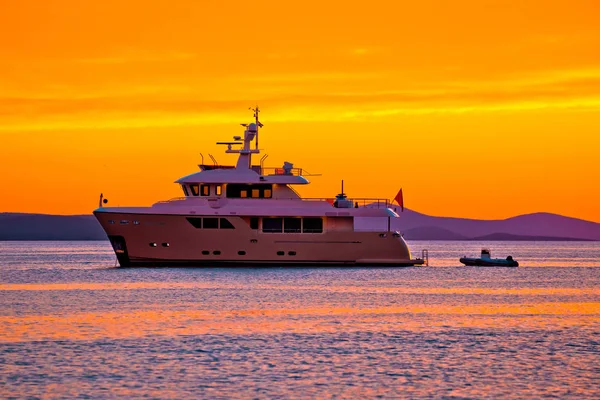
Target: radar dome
<point x="252" y="127"/>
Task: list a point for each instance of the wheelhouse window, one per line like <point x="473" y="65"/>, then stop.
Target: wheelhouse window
<point x="185" y="191"/>
<point x="255" y="191"/>
<point x="218" y="190"/>
<point x="195" y="188"/>
<point x="312" y="225"/>
<point x="205" y="190"/>
<point x="292" y="225"/>
<point x="272" y="225"/>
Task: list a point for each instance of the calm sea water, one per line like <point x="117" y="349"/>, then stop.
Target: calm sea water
<point x="72" y="325"/>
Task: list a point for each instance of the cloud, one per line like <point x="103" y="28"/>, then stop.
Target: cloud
<point x="161" y="107"/>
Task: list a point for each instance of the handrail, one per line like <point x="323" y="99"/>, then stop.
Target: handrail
<point x="361" y="201"/>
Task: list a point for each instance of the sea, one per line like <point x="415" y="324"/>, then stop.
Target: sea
<point x="73" y="325"/>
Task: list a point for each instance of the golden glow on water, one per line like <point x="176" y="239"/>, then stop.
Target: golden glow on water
<point x="344" y="289"/>
<point x="140" y="323"/>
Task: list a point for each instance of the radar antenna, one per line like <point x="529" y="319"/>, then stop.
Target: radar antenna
<point x="256" y="110"/>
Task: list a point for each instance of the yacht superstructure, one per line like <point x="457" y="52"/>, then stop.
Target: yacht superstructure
<point x="249" y="215"/>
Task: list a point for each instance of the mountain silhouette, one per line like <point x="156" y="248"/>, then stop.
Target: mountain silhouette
<point x="413" y="225"/>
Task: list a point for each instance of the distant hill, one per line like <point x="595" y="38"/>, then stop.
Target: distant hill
<point x="16" y="226"/>
<point x="508" y="236"/>
<point x="538" y="226"/>
<point x="431" y="233"/>
<point x="413" y="225"/>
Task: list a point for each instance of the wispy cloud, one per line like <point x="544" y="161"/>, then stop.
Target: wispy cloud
<point x="151" y="107"/>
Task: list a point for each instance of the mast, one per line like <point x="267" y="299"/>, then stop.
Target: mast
<point x="256" y="110"/>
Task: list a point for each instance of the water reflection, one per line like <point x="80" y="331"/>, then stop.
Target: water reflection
<point x="71" y="327"/>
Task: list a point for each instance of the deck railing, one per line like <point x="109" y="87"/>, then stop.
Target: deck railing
<point x="356" y="202"/>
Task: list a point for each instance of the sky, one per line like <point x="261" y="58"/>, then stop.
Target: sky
<point x="478" y="109"/>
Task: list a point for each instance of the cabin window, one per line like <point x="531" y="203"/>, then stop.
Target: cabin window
<point x="195" y="189"/>
<point x="124" y="222"/>
<point x="312" y="225"/>
<point x="210" y="223"/>
<point x="205" y="252"/>
<point x="216" y="252"/>
<point x="225" y="224"/>
<point x="281" y="253"/>
<point x="255" y="193"/>
<point x="254" y="223"/>
<point x="241" y="253"/>
<point x="218" y="190"/>
<point x="196" y="222"/>
<point x="185" y="192"/>
<point x="292" y="225"/>
<point x="243" y="194"/>
<point x="291" y="253"/>
<point x="268" y="193"/>
<point x="272" y="225"/>
<point x="205" y="190"/>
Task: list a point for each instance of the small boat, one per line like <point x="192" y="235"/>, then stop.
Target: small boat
<point x="486" y="260"/>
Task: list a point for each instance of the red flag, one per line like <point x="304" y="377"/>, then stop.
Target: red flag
<point x="330" y="201"/>
<point x="400" y="200"/>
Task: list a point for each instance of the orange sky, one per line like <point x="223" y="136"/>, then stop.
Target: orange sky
<point x="444" y="99"/>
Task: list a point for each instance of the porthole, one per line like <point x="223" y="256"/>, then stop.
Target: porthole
<point x="241" y="253"/>
<point x="291" y="253"/>
<point x="216" y="252"/>
<point x="124" y="222"/>
<point x="165" y="244"/>
<point x="111" y="221"/>
<point x="281" y="253"/>
<point x="136" y="222"/>
<point x="205" y="252"/>
<point x="152" y="244"/>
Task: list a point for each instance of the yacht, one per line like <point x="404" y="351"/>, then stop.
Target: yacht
<point x="249" y="215"/>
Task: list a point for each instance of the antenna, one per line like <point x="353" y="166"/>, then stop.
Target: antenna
<point x="342" y="186"/>
<point x="258" y="124"/>
<point x="213" y="160"/>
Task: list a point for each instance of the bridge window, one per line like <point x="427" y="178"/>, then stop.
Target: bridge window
<point x="185" y="192"/>
<point x="292" y="225"/>
<point x="272" y="225"/>
<point x="195" y="189"/>
<point x="312" y="225"/>
<point x="255" y="191"/>
<point x="205" y="190"/>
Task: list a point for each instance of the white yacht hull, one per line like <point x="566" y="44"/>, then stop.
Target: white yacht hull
<point x="170" y="240"/>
